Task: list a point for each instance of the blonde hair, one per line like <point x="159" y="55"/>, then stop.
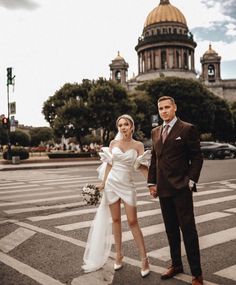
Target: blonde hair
<point x="126" y="117"/>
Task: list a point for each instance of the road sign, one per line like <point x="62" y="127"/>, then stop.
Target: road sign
<point x="12" y="108"/>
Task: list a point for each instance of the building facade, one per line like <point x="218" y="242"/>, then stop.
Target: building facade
<point x="167" y="48"/>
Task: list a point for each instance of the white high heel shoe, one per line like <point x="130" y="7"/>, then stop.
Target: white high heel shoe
<point x="145" y="272"/>
<point x="118" y="266"/>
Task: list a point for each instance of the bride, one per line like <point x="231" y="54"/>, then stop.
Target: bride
<point x="120" y="160"/>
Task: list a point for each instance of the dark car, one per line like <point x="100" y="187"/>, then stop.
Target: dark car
<point x="212" y="150"/>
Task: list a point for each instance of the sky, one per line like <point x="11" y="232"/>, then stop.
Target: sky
<point x="52" y="42"/>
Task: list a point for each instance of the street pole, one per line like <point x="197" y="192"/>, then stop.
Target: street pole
<point x="10" y="81"/>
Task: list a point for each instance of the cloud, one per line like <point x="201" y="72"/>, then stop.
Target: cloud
<point x="19" y="4"/>
<point x="220" y="30"/>
<point x="216" y="32"/>
<point x="227" y="7"/>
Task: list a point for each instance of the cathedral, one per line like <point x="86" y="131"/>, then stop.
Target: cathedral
<point x="166" y="48"/>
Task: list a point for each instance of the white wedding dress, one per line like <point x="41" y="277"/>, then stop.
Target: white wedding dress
<point x="119" y="185"/>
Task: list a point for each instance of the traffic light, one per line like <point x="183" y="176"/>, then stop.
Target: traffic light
<point x="5" y="122"/>
<point x="9" y="76"/>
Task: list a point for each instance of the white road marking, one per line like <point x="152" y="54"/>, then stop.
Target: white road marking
<point x="232" y="210"/>
<point x="44" y="208"/>
<point x="214" y="201"/>
<point x="159" y="228"/>
<point x="51" y="192"/>
<point x="72" y="213"/>
<point x="26" y="190"/>
<point x="85" y="224"/>
<point x="204" y="241"/>
<point x="229" y="273"/>
<point x="21" y="186"/>
<point x="12" y="240"/>
<point x="39" y="200"/>
<point x="29" y="271"/>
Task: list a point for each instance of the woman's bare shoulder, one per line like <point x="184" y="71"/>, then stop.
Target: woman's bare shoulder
<point x="139" y="146"/>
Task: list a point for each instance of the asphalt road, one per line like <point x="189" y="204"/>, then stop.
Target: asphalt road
<point x="44" y="225"/>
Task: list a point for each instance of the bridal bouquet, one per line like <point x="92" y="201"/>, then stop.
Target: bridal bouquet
<point x="91" y="194"/>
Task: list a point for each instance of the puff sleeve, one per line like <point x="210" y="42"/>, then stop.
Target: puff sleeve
<point x="106" y="158"/>
<point x="143" y="159"/>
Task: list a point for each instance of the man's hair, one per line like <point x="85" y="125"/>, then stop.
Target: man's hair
<point x="162" y="98"/>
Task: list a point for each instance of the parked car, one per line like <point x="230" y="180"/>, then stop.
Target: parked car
<point x="212" y="150"/>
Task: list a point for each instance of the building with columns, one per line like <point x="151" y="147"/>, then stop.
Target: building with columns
<point x="166" y="48"/>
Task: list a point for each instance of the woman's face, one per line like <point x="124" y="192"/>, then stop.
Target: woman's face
<point x="125" y="127"/>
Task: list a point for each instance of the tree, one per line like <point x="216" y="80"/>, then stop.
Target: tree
<point x="142" y="112"/>
<point x="195" y="104"/>
<point x="40" y="134"/>
<point x="107" y="101"/>
<point x="20" y="138"/>
<point x="67" y="110"/>
<point x="3" y="135"/>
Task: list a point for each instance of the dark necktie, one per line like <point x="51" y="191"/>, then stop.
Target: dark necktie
<point x="165" y="133"/>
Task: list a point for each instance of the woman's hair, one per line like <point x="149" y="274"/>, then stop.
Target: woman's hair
<point x="126" y="117"/>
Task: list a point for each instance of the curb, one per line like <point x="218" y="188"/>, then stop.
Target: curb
<point x="38" y="165"/>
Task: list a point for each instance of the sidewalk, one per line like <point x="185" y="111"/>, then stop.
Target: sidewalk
<point x="45" y="163"/>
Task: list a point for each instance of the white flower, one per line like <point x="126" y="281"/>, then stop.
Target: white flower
<point x="91" y="194"/>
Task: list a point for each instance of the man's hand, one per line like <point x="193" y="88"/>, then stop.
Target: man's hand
<point x="153" y="191"/>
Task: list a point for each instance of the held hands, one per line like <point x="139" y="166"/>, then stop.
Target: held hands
<point x="153" y="191"/>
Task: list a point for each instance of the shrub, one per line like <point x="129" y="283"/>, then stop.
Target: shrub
<point x="68" y="154"/>
<point x="16" y="151"/>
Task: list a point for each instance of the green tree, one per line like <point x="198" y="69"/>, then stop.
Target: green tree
<point x="195" y="104"/>
<point x="67" y="110"/>
<point x="20" y="138"/>
<point x="107" y="101"/>
<point x="3" y="135"/>
<point x="233" y="111"/>
<point x="40" y="134"/>
<point x="143" y="110"/>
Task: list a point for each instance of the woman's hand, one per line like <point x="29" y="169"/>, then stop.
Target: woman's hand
<point x="101" y="186"/>
<point x="153" y="191"/>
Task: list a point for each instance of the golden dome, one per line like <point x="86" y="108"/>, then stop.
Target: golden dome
<point x="118" y="57"/>
<point x="210" y="51"/>
<point x="165" y="12"/>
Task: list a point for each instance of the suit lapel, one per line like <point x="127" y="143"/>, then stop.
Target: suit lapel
<point x="174" y="130"/>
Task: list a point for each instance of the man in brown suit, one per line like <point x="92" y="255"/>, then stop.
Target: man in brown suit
<point x="175" y="168"/>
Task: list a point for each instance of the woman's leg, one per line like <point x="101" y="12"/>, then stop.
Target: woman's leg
<point x="116" y="219"/>
<point x="131" y="213"/>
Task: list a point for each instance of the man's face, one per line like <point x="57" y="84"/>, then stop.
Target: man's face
<point x="167" y="110"/>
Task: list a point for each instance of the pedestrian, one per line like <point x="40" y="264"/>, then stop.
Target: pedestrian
<point x="124" y="155"/>
<point x="175" y="168"/>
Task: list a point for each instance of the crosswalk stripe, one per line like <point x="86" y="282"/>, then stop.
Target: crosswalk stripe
<point x="202" y="193"/>
<point x="214" y="201"/>
<point x="29" y="271"/>
<point x="43" y="208"/>
<point x="85" y="224"/>
<point x="4" y="184"/>
<point x="204" y="242"/>
<point x="232" y="210"/>
<point x="72" y="213"/>
<point x="159" y="228"/>
<point x="12" y="240"/>
<point x="4" y="204"/>
<point x="26" y="190"/>
<point x="229" y="273"/>
<point x="21" y="186"/>
<point x="51" y="192"/>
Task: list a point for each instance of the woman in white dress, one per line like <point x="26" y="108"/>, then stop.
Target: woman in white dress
<point x="120" y="160"/>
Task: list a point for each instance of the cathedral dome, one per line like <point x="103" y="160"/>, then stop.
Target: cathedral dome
<point x="165" y="12"/>
<point x="210" y="52"/>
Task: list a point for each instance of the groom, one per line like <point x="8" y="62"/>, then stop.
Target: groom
<point x="175" y="167"/>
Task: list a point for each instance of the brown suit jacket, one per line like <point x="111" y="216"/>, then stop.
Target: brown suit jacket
<point x="176" y="161"/>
